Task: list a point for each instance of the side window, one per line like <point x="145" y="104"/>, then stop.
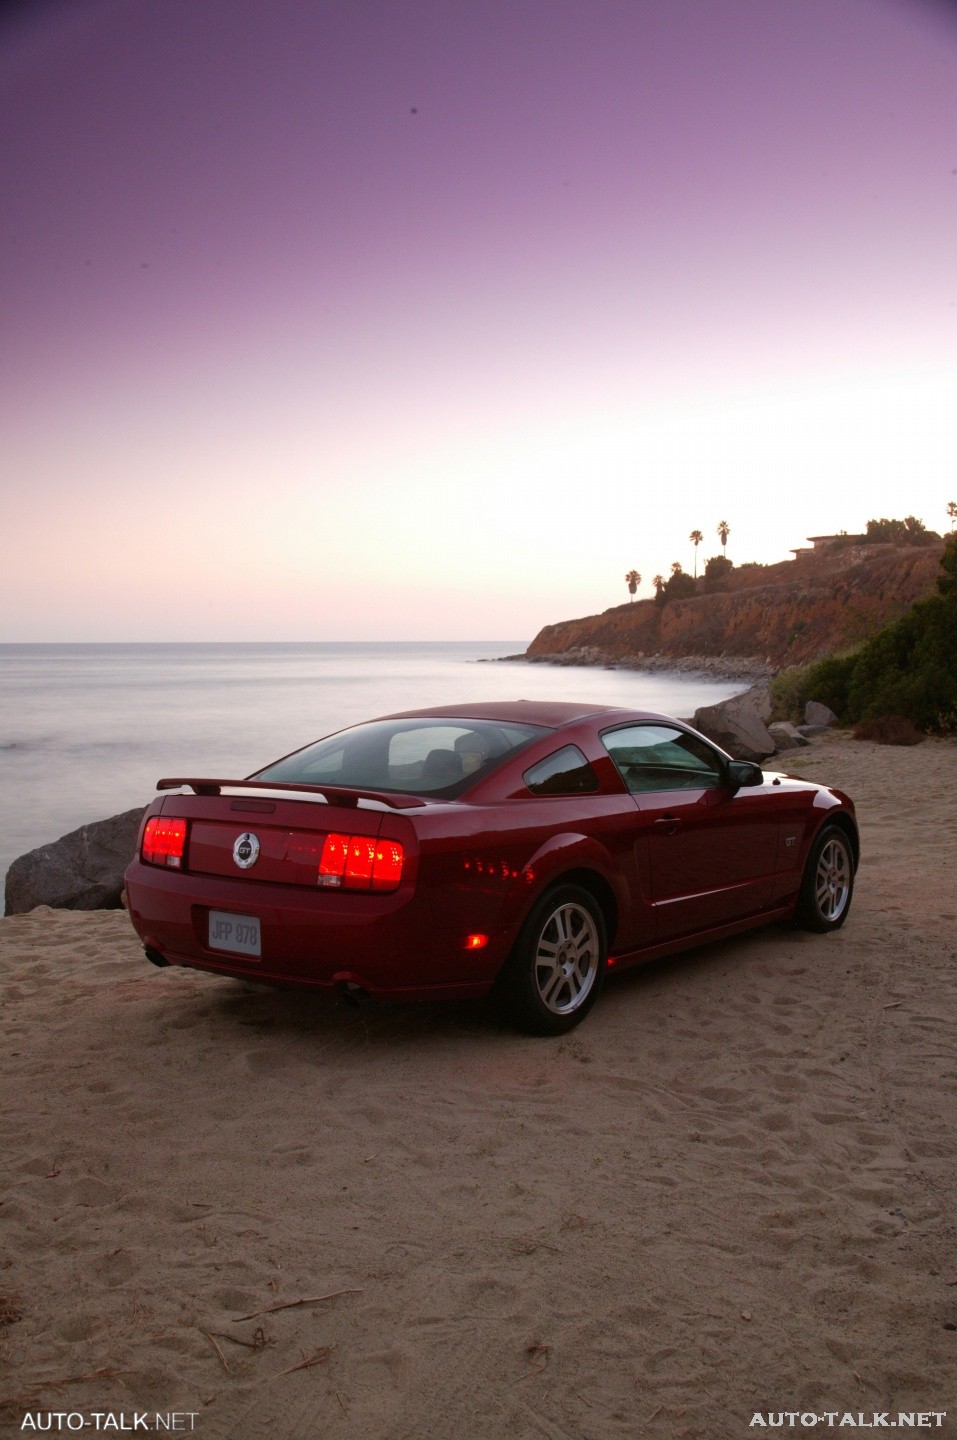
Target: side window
<point x="659" y="757"/>
<point x="567" y="772"/>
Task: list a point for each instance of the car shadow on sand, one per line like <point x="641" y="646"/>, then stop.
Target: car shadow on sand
<point x="271" y="1011"/>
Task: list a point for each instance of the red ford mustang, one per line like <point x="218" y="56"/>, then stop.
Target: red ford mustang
<point x="525" y="845"/>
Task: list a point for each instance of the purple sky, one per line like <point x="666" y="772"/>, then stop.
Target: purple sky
<point x="430" y="320"/>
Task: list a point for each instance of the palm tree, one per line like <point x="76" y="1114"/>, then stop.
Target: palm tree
<point x="952" y="512"/>
<point x="632" y="580"/>
<point x="696" y="538"/>
<point x="724" y="530"/>
<point x="676" y="567"/>
<point x="659" y="584"/>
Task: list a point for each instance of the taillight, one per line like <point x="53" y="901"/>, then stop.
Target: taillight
<point x="332" y="863"/>
<point x="387" y="866"/>
<point x="164" y="842"/>
<point x="354" y="862"/>
<point x="359" y="861"/>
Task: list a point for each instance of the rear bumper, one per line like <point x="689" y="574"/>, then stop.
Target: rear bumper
<point x="388" y="945"/>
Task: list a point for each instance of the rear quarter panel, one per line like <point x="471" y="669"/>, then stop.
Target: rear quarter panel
<point x="490" y="863"/>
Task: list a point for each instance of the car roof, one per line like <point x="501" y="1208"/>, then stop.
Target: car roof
<point x="552" y="714"/>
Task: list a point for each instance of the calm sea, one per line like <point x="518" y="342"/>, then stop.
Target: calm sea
<point x="86" y="730"/>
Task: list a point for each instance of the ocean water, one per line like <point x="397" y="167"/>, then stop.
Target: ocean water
<point x="87" y="730"/>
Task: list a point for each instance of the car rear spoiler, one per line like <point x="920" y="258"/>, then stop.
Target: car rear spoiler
<point x="335" y="795"/>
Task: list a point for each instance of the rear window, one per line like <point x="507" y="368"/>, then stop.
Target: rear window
<point x="567" y="772"/>
<point x="415" y="757"/>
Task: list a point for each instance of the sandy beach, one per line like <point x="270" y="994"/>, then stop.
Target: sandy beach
<point x="730" y="1191"/>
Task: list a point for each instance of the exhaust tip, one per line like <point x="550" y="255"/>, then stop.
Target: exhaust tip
<point x="355" y="994"/>
<point x="154" y="956"/>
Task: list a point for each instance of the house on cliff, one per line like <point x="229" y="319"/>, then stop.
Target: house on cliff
<point x="817" y="544"/>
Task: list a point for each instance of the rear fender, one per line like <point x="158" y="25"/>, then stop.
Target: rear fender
<point x="563" y="854"/>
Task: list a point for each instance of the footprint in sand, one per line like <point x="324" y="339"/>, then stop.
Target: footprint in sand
<point x="77" y="1328"/>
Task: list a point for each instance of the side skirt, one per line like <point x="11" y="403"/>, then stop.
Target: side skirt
<point x="628" y="958"/>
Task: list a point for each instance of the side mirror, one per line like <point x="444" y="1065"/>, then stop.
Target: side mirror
<point x="742" y="773"/>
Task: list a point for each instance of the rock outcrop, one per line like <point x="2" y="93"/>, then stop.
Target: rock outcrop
<point x="786" y="736"/>
<point x="739" y="725"/>
<point x="80" y="871"/>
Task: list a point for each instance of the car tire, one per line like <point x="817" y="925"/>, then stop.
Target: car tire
<point x="556" y="969"/>
<point x="828" y="883"/>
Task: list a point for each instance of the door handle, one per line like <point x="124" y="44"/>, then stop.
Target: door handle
<point x="667" y="824"/>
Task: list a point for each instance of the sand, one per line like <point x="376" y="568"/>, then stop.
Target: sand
<point x="731" y="1191"/>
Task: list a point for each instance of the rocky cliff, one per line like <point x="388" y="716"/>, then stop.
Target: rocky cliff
<point x="782" y="614"/>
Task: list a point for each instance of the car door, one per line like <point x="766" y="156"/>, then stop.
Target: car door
<point x="712" y="849"/>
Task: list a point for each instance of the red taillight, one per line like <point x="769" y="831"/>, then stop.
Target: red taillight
<point x="164" y="842"/>
<point x="332" y="863"/>
<point x="354" y="862"/>
<point x="387" y="865"/>
<point x="359" y="862"/>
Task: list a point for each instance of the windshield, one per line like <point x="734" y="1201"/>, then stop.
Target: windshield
<point x="415" y="757"/>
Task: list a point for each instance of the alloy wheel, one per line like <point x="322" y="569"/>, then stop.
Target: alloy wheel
<point x="566" y="958"/>
<point x="832" y="881"/>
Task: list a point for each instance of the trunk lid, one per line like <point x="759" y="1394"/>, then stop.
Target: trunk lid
<point x="267" y="841"/>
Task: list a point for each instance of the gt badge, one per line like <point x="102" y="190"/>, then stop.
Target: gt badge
<point x="246" y="849"/>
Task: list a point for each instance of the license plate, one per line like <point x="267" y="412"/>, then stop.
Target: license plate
<point x="238" y="933"/>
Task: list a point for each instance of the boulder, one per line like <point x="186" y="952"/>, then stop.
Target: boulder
<point x="786" y="736"/>
<point x="817" y="714"/>
<point x="80" y="871"/>
<point x="738" y="725"/>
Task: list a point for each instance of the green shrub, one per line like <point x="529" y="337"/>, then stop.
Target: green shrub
<point x="909" y="531"/>
<point x="789" y="693"/>
<point x="681" y="586"/>
<point x="889" y="730"/>
<point x="909" y="668"/>
<point x="717" y="571"/>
